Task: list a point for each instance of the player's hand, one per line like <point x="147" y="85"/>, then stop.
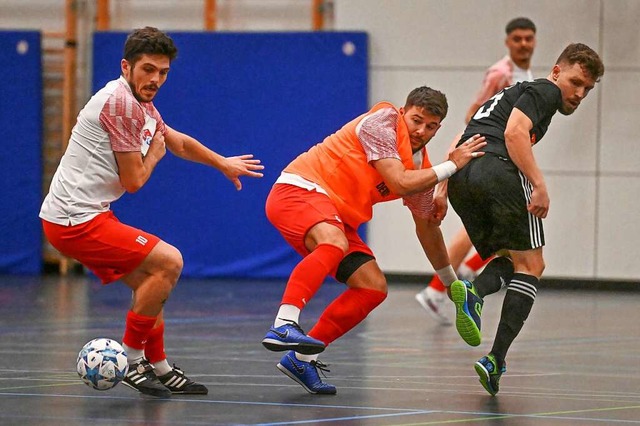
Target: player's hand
<point x="539" y="204"/>
<point x="467" y="151"/>
<point x="440" y="206"/>
<point x="158" y="147"/>
<point x="241" y="165"/>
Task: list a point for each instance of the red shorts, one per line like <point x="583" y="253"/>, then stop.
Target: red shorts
<point x="294" y="211"/>
<point x="108" y="247"/>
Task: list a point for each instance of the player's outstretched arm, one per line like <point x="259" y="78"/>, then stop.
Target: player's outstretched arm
<point x="188" y="148"/>
<point x="467" y="151"/>
<point x="405" y="182"/>
<point x="241" y="165"/>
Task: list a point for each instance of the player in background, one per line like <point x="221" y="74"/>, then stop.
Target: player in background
<point x="118" y="140"/>
<point x="326" y="193"/>
<point x="512" y="68"/>
<point x="502" y="198"/>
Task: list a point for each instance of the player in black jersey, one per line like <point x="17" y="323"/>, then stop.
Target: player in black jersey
<point x="502" y="198"/>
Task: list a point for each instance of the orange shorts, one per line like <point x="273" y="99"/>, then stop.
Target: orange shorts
<point x="294" y="211"/>
<point x="108" y="247"/>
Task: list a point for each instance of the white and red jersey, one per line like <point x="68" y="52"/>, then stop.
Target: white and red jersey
<point x="87" y="180"/>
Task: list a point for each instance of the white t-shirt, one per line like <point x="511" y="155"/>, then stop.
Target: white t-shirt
<point x="87" y="180"/>
<point x="520" y="74"/>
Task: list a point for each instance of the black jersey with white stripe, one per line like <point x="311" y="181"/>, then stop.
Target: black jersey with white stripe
<point x="539" y="100"/>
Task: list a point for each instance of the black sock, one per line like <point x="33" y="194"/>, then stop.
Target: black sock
<point x="517" y="304"/>
<point x="495" y="275"/>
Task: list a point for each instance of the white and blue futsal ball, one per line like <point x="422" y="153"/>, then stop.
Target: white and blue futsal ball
<point x="102" y="363"/>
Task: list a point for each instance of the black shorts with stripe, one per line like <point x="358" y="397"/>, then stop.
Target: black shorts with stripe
<point x="491" y="196"/>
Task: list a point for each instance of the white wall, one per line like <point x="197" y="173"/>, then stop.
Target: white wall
<point x="232" y="15"/>
<point x="588" y="158"/>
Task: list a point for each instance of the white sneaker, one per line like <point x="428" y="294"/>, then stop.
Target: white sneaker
<point x="434" y="302"/>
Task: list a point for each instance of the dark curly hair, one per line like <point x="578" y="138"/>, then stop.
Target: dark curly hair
<point x="148" y="40"/>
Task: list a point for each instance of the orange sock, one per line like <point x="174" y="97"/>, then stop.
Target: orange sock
<point x="476" y="262"/>
<point x="436" y="283"/>
<point x="154" y="349"/>
<point x="136" y="331"/>
<point x="344" y="313"/>
<point x="310" y="273"/>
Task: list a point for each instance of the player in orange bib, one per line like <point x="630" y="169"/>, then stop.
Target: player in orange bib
<point x="324" y="195"/>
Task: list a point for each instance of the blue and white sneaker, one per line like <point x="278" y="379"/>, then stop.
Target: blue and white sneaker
<point x="306" y="374"/>
<point x="468" y="311"/>
<point x="290" y="337"/>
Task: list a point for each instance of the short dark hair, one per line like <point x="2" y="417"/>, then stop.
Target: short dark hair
<point x="151" y="41"/>
<point x="585" y="56"/>
<point x="520" y="23"/>
<point x="431" y="100"/>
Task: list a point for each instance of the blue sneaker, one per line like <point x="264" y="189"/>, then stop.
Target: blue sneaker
<point x="306" y="374"/>
<point x="291" y="337"/>
<point x="468" y="310"/>
<point x="487" y="369"/>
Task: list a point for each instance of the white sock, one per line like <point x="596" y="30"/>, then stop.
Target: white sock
<point x="306" y="358"/>
<point x="287" y="313"/>
<point x="162" y="367"/>
<point x="133" y="355"/>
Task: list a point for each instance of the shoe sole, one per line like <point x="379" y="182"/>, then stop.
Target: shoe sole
<point x="442" y="320"/>
<point x="293" y="377"/>
<point x="485" y="378"/>
<point x="158" y="393"/>
<point x="465" y="325"/>
<point x="205" y="392"/>
<point x="303" y="348"/>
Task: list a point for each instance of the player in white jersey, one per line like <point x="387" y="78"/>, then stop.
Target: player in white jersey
<point x="512" y="68"/>
<point x="114" y="147"/>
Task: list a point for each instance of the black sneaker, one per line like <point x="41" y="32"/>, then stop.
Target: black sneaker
<point x="177" y="382"/>
<point x="142" y="378"/>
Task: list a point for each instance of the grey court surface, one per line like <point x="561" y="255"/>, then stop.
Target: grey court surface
<point x="576" y="363"/>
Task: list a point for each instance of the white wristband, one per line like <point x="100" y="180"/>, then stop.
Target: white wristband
<point x="444" y="170"/>
<point x="447" y="275"/>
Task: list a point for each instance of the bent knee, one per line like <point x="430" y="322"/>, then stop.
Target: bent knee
<point x="173" y="266"/>
<point x="166" y="261"/>
<point x="339" y="241"/>
<point x="377" y="284"/>
<point x="380" y="285"/>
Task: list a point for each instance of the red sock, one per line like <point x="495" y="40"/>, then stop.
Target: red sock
<point x="344" y="313"/>
<point x="310" y="273"/>
<point x="154" y="349"/>
<point x="136" y="331"/>
<point x="437" y="284"/>
<point x="476" y="262"/>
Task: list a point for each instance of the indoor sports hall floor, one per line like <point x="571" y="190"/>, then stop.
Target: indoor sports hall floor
<point x="576" y="363"/>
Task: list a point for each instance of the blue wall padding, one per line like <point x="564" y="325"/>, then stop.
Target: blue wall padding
<point x="270" y="94"/>
<point x="20" y="161"/>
